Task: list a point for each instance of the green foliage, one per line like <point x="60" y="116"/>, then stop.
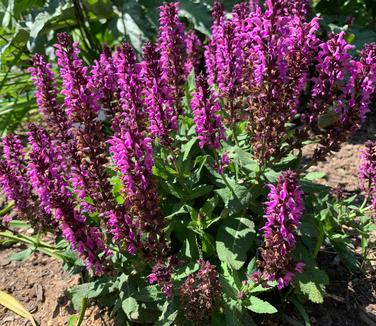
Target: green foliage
<point x="235" y="237"/>
<point x="311" y="283"/>
<point x="260" y="306"/>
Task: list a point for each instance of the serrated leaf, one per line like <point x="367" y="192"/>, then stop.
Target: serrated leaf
<point x="312" y="283"/>
<point x="260" y="306"/>
<point x="88" y="290"/>
<point x="235" y="237"/>
<point x="235" y="199"/>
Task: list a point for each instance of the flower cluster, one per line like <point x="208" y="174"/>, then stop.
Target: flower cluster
<point x="162" y="117"/>
<point x="341" y="93"/>
<point x="132" y="152"/>
<point x="268" y="63"/>
<point x="173" y="52"/>
<point x="16" y="186"/>
<point x="200" y="292"/>
<point x="103" y="79"/>
<point x="161" y="274"/>
<point x="47" y="180"/>
<point x="283" y="214"/>
<point x="205" y="106"/>
<point x="367" y="172"/>
<point x="81" y="102"/>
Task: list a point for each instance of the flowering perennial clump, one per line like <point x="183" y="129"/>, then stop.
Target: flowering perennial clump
<point x="123" y="165"/>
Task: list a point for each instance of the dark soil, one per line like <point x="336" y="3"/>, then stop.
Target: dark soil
<point x="40" y="283"/>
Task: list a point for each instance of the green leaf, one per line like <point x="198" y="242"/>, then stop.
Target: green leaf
<point x="150" y="293"/>
<point x="312" y="283"/>
<point x="260" y="306"/>
<point x="72" y="320"/>
<point x="236" y="315"/>
<point x="22" y="255"/>
<point x="302" y="311"/>
<point x="310" y="187"/>
<point x="186" y="148"/>
<point x="83" y="308"/>
<point x="88" y="290"/>
<point x="198" y="191"/>
<point x="345" y="250"/>
<point x="236" y="199"/>
<point x="130" y="307"/>
<point x="19" y="224"/>
<point x="312" y="176"/>
<point x="235" y="237"/>
<point x="169" y="314"/>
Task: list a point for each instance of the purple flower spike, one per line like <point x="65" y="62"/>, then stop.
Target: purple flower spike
<point x="45" y="171"/>
<point x="16" y="184"/>
<point x="104" y="81"/>
<point x="193" y="46"/>
<point x="133" y="156"/>
<point x="89" y="154"/>
<point x="283" y="214"/>
<point x="160" y="106"/>
<point x="172" y="47"/>
<point x="205" y="106"/>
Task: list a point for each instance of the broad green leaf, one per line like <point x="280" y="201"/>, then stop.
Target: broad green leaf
<point x="234" y="238"/>
<point x="260" y="306"/>
<point x="14" y="305"/>
<point x="186" y="270"/>
<point x="150" y="293"/>
<point x="312" y="283"/>
<point x="88" y="290"/>
<point x="236" y="199"/>
<point x="345" y="250"/>
<point x="312" y="176"/>
<point x="130" y="307"/>
<point x="236" y="315"/>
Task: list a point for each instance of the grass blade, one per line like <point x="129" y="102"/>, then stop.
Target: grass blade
<point x="12" y="304"/>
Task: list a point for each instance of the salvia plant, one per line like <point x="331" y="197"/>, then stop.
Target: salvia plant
<point x="178" y="180"/>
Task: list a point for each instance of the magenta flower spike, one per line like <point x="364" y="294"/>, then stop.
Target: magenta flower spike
<point x="206" y="107"/>
<point x="45" y="171"/>
<point x="283" y="214"/>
